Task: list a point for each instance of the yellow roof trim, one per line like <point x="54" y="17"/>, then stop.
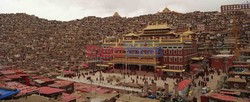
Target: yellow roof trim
<point x="161" y="67"/>
<point x="188" y="32"/>
<point x="110" y="63"/>
<point x="102" y="65"/>
<point x="197" y="58"/>
<point x="170" y="70"/>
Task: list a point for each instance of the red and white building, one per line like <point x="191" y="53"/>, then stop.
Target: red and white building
<point x="235" y="7"/>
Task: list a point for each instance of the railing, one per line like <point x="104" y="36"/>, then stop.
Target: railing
<point x="135" y="61"/>
<point x="136" y="55"/>
<point x="144" y="55"/>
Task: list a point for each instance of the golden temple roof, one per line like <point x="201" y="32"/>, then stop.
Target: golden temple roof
<point x="188" y="32"/>
<point x="236" y="80"/>
<point x="157" y="26"/>
<point x="116" y="14"/>
<point x="166" y="10"/>
<point x="131" y="34"/>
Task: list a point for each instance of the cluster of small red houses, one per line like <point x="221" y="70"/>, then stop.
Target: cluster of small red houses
<point x="33" y="84"/>
<point x="29" y="84"/>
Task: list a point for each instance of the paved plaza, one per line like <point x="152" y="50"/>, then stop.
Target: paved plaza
<point x="113" y="84"/>
<point x="196" y="91"/>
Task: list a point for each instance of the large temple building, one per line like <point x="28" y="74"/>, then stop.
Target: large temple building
<point x="168" y="56"/>
<point x="157" y="49"/>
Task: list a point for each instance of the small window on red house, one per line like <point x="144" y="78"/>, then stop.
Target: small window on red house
<point x="180" y="59"/>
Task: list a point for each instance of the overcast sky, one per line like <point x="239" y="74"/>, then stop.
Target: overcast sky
<point x="76" y="9"/>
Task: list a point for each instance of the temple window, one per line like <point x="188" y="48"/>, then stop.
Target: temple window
<point x="165" y="51"/>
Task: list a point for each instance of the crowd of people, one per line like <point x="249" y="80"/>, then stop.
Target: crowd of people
<point x="29" y="41"/>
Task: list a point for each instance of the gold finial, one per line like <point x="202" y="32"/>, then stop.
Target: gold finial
<point x="116" y="14"/>
<point x="166" y="10"/>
